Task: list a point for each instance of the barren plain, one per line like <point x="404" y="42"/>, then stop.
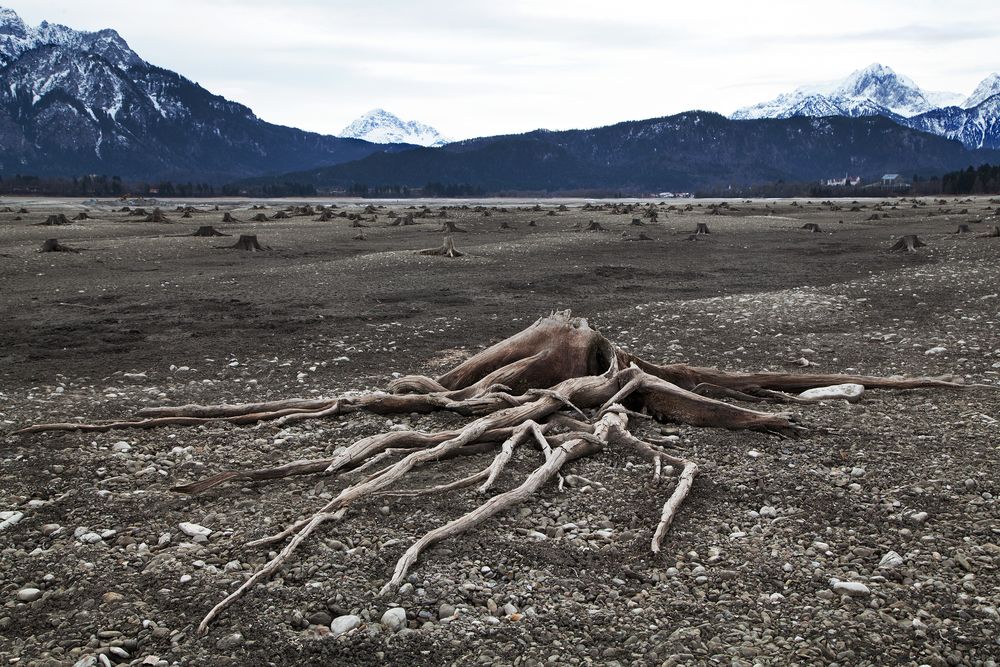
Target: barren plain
<point x="895" y="494"/>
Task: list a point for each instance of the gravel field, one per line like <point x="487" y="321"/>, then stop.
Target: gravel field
<point x="872" y="539"/>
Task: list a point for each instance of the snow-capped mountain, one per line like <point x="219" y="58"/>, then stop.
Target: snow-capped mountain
<point x="75" y="102"/>
<point x="987" y="88"/>
<point x="976" y="127"/>
<point x="381" y="127"/>
<point x="874" y="90"/>
<point x="879" y="91"/>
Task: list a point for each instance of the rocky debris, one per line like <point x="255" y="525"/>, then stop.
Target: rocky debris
<point x="394" y="619"/>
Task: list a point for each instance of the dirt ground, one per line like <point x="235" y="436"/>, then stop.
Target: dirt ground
<point x="145" y="315"/>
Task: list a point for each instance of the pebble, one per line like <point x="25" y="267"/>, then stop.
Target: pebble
<point x="394" y="619"/>
<point x="849" y="392"/>
<point x="29" y="594"/>
<point x="918" y="517"/>
<point x="343" y="624"/>
<point x="9" y="519"/>
<point x="193" y="529"/>
<point x="890" y="560"/>
<point x="229" y="642"/>
<point x="852" y="588"/>
<point x="935" y="351"/>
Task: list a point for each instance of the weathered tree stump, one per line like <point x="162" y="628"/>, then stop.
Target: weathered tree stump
<point x="208" y="230"/>
<point x="53" y="245"/>
<point x="505" y="226"/>
<point x="992" y="234"/>
<point x="594" y="226"/>
<point x="532" y="223"/>
<point x="280" y="215"/>
<point x="186" y="214"/>
<point x="82" y="215"/>
<point x="908" y="243"/>
<point x="963" y="229"/>
<point x="55" y="220"/>
<point x="701" y="229"/>
<point x="156" y="216"/>
<point x="324" y="216"/>
<point x="228" y="217"/>
<point x="246" y="242"/>
<point x="259" y="217"/>
<point x="449" y="226"/>
<point x="638" y="222"/>
<point x="811" y="227"/>
<point x="447" y="249"/>
<point x="359" y="237"/>
<point x="137" y="212"/>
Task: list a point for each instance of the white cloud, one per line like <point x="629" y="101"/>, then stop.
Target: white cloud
<point x="482" y="67"/>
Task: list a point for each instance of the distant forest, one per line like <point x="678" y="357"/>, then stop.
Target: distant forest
<point x="982" y="180"/>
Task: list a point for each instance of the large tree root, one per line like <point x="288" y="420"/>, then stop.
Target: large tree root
<point x="558" y="383"/>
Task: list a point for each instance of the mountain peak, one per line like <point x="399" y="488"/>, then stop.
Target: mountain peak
<point x="987" y="88"/>
<point x="16" y="38"/>
<point x="382" y="127"/>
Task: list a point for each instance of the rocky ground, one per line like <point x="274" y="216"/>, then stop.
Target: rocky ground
<point x="872" y="539"/>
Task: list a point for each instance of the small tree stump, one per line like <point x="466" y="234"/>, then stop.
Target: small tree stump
<point x="280" y="215"/>
<point x="447" y="249"/>
<point x="260" y="217"/>
<point x="156" y="216"/>
<point x="701" y="229"/>
<point x="532" y="223"/>
<point x="228" y="217"/>
<point x="992" y="234"/>
<point x="324" y="216"/>
<point x="811" y="227"/>
<point x="593" y="226"/>
<point x="449" y="226"/>
<point x="53" y="245"/>
<point x="82" y="215"/>
<point x="963" y="229"/>
<point x="638" y="222"/>
<point x="908" y="243"/>
<point x="55" y="220"/>
<point x="208" y="230"/>
<point x="505" y="226"/>
<point x="247" y="242"/>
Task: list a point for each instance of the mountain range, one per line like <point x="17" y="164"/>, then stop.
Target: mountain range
<point x="877" y="90"/>
<point x="75" y="102"/>
<point x="381" y="127"/>
<point x="688" y="151"/>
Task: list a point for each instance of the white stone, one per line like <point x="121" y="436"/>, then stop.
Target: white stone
<point x="193" y="529"/>
<point x="918" y="517"/>
<point x="28" y="594"/>
<point x="890" y="560"/>
<point x="121" y="446"/>
<point x="935" y="351"/>
<point x="394" y="619"/>
<point x="9" y="519"/>
<point x="852" y="588"/>
<point x="90" y="538"/>
<point x="343" y="624"/>
<point x="849" y="391"/>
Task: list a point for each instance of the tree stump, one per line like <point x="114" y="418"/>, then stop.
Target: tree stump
<point x="260" y="217"/>
<point x="811" y="227"/>
<point x="208" y="230"/>
<point x="55" y="220"/>
<point x="992" y="234"/>
<point x="963" y="229"/>
<point x="280" y="215"/>
<point x="449" y="226"/>
<point x="532" y="223"/>
<point x="593" y="226"/>
<point x="324" y="216"/>
<point x="701" y="229"/>
<point x="247" y="242"/>
<point x="156" y="216"/>
<point x="228" y="217"/>
<point x="638" y="222"/>
<point x="53" y="245"/>
<point x="82" y="215"/>
<point x="447" y="249"/>
<point x="505" y="226"/>
<point x="908" y="243"/>
<point x="138" y="212"/>
<point x="186" y="214"/>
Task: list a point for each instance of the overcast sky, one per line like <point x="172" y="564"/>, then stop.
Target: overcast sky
<point x="477" y="67"/>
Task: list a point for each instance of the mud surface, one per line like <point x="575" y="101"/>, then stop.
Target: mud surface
<point x="145" y="315"/>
